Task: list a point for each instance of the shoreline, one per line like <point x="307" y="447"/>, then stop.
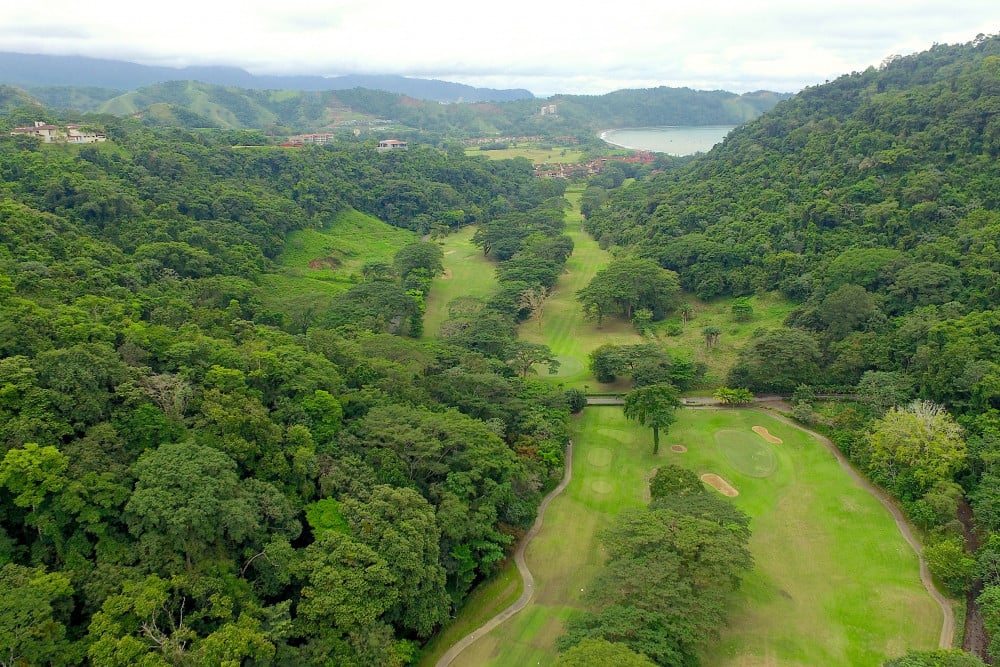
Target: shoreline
<point x="688" y="146"/>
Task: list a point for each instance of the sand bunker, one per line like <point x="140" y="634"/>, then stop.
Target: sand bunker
<point x="720" y="485"/>
<point x="763" y="432"/>
<point x="449" y="252"/>
<point x="601" y="487"/>
<point x="599" y="456"/>
<point x="680" y="449"/>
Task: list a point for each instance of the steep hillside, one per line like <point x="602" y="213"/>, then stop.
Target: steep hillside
<point x="874" y="201"/>
<point x="898" y="157"/>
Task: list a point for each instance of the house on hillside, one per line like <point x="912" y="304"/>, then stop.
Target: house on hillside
<point x="73" y="133"/>
<point x="392" y="145"/>
<point x="320" y="139"/>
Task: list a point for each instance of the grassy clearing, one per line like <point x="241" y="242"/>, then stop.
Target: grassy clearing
<point x="564" y="329"/>
<point x="534" y="153"/>
<point x="834" y="582"/>
<point x="769" y="311"/>
<point x="319" y="264"/>
<point x="467" y="273"/>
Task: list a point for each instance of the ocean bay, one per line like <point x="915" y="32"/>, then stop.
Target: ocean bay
<point x="676" y="140"/>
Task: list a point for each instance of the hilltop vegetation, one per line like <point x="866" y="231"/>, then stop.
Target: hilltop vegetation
<point x="871" y="202"/>
<point x="193" y="469"/>
<point x="196" y="104"/>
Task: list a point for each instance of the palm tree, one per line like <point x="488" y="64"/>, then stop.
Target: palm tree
<point x="654" y="406"/>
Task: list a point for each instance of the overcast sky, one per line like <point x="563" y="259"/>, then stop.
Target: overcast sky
<point x="546" y="46"/>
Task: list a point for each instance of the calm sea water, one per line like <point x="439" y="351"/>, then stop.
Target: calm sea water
<point x="674" y="140"/>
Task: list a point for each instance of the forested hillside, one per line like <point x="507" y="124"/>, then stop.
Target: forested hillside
<point x="874" y="202"/>
<point x="194" y="104"/>
<point x="189" y="477"/>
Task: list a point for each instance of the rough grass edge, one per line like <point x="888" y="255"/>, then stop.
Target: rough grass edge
<point x="510" y="586"/>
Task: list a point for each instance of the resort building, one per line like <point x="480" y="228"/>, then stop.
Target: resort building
<point x="392" y="145"/>
<point x="73" y="133"/>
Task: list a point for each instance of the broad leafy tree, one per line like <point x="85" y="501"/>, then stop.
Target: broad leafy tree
<point x="914" y="447"/>
<point x="654" y="406"/>
<point x="627" y="285"/>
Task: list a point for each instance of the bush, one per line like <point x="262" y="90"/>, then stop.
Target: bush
<point x="576" y="399"/>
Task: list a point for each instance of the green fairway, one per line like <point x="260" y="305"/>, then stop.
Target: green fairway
<point x="564" y="329"/>
<point x="467" y="273"/>
<point x="534" y="153"/>
<point x="834" y="582"/>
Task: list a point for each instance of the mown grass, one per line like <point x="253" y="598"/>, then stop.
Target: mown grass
<point x="534" y="153"/>
<point x="467" y="273"/>
<point x="563" y="327"/>
<point x="486" y="601"/>
<point x="834" y="581"/>
<point x="319" y="264"/>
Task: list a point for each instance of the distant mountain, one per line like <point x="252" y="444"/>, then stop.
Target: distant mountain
<point x="32" y="70"/>
<point x="12" y="98"/>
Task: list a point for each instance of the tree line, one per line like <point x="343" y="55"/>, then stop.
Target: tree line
<point x="871" y="203"/>
<point x="190" y="477"/>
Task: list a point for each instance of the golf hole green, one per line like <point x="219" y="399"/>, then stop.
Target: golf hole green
<point x="602" y="487"/>
<point x="746" y="453"/>
<point x="599" y="456"/>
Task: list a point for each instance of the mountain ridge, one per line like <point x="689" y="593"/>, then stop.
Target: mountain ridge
<point x="31" y="70"/>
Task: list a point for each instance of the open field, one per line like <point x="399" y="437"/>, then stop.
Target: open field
<point x="834" y="582"/>
<point x="318" y="264"/>
<point x="769" y="311"/>
<point x="467" y="273"/>
<point x="534" y="153"/>
<point x="564" y="329"/>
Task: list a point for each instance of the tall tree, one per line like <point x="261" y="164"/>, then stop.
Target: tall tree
<point x="626" y="285"/>
<point x="654" y="406"/>
<point x="914" y="447"/>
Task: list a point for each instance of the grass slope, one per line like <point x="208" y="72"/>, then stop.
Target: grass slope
<point x="769" y="312"/>
<point x="467" y="273"/>
<point x="319" y="264"/>
<point x="564" y="329"/>
<point x="834" y="582"/>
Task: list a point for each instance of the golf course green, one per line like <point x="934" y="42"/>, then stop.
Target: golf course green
<point x="834" y="582"/>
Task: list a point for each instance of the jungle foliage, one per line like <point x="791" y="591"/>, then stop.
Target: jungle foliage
<point x="872" y="202"/>
<point x="188" y="477"/>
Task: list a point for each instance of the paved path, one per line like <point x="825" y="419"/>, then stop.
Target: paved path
<point x="522" y="568"/>
<point x="948" y="624"/>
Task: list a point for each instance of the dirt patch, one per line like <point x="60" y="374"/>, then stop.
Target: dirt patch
<point x="680" y="449"/>
<point x="720" y="485"/>
<point x="764" y="433"/>
<point x="449" y="252"/>
<point x="647" y="497"/>
<point x="324" y="263"/>
<point x="446" y="275"/>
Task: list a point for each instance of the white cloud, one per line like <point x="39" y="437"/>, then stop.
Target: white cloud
<point x="547" y="47"/>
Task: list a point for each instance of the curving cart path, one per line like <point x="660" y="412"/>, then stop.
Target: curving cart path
<point x="948" y="624"/>
<point x="522" y="568"/>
